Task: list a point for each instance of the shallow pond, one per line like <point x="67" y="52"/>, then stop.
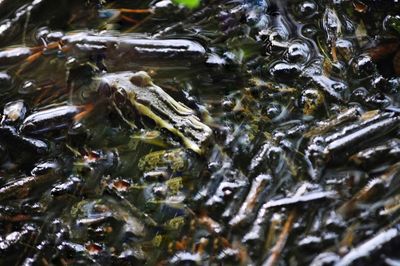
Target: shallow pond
<point x="253" y="132"/>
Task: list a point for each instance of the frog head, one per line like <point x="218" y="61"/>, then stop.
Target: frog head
<point x="151" y="101"/>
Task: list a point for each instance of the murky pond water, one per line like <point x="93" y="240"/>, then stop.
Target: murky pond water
<point x="253" y="132"/>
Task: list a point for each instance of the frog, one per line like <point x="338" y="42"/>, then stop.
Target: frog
<point x="163" y="171"/>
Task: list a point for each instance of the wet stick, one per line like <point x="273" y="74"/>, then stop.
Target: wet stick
<point x="280" y="244"/>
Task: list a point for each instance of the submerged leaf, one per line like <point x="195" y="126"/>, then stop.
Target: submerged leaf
<point x="188" y="3"/>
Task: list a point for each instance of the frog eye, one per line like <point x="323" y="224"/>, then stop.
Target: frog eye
<point x="120" y="96"/>
<point x="141" y="79"/>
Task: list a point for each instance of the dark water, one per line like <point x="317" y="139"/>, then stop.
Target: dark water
<point x="301" y="168"/>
